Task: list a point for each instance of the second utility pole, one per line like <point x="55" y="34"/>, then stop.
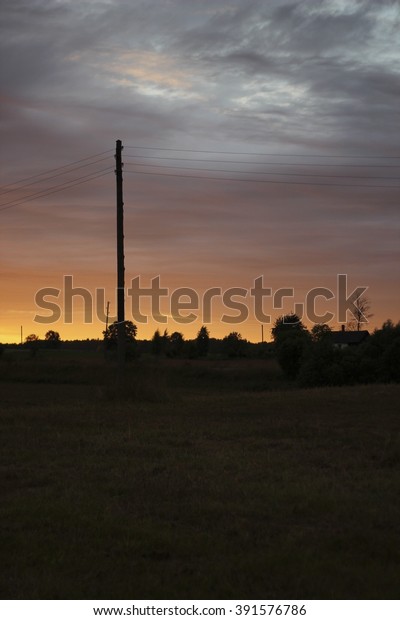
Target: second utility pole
<point x="120" y="263"/>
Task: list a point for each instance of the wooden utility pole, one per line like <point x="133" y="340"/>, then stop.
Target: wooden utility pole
<point x="120" y="262"/>
<point x="107" y="314"/>
<point x="262" y="332"/>
<point x="106" y="332"/>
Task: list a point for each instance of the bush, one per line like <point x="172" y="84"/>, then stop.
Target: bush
<point x="291" y="342"/>
<point x="390" y="366"/>
<point x="291" y="352"/>
<point x="316" y="365"/>
<point x="234" y="345"/>
<point x="378" y="359"/>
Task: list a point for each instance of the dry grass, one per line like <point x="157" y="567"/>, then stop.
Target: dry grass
<point x="202" y="491"/>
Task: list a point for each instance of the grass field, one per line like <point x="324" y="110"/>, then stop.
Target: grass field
<point x="207" y="480"/>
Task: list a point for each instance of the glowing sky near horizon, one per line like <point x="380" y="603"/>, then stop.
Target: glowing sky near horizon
<point x="301" y="79"/>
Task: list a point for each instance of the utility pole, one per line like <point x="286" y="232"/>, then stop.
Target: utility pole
<point x="105" y="333"/>
<point x="107" y="314"/>
<point x="21" y="336"/>
<point x="262" y="332"/>
<point x="120" y="262"/>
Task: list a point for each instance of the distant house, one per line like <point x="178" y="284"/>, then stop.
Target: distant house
<point x="342" y="339"/>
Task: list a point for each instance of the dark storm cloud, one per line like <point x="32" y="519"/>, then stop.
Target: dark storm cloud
<point x="301" y="60"/>
<point x="335" y="58"/>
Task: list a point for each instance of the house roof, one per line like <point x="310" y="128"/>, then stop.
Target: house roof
<point x="343" y="337"/>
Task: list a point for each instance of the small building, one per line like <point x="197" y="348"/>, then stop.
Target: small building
<point x="342" y="338"/>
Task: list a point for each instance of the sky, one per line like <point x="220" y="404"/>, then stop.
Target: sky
<point x="261" y="138"/>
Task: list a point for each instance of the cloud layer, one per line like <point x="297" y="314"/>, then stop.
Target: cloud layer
<point x="308" y="81"/>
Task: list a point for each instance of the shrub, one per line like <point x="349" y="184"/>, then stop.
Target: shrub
<point x="234" y="345"/>
<point x="291" y="351"/>
<point x="391" y="362"/>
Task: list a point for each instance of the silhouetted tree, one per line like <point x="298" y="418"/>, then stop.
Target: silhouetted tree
<point x="52" y="339"/>
<point x="361" y="314"/>
<point x="319" y="362"/>
<point x="391" y="362"/>
<point x="111" y="334"/>
<point x="159" y="343"/>
<point x="32" y="343"/>
<point x="286" y="324"/>
<point x="156" y="343"/>
<point x="234" y="345"/>
<point x="175" y="344"/>
<point x="203" y="341"/>
<point x="321" y="333"/>
<point x="376" y="359"/>
<point x="291" y="340"/>
<point x="111" y="338"/>
<point x="383" y="347"/>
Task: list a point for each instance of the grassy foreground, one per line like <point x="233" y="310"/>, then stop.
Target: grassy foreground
<point x="196" y="485"/>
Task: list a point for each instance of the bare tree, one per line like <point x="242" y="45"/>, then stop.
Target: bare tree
<point x="361" y="314"/>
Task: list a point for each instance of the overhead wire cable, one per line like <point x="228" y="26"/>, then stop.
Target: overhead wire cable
<point x="153" y="148"/>
<point x="34" y="176"/>
<point x="53" y="187"/>
<point x="21" y="187"/>
<point x="188" y="176"/>
<point x="262" y="163"/>
<point x="60" y="188"/>
<point x="293" y="174"/>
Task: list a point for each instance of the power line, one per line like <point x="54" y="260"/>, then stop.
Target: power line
<point x="54" y="191"/>
<point x="53" y="187"/>
<point x="189" y="176"/>
<point x="94" y="175"/>
<point x="292" y="174"/>
<point x="78" y="161"/>
<point x="66" y="183"/>
<point x="15" y="189"/>
<point x="263" y="163"/>
<point x="153" y="148"/>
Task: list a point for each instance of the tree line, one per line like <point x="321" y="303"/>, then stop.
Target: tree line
<point x="172" y="345"/>
<point x="307" y="357"/>
<point x="312" y="358"/>
<point x="175" y="345"/>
